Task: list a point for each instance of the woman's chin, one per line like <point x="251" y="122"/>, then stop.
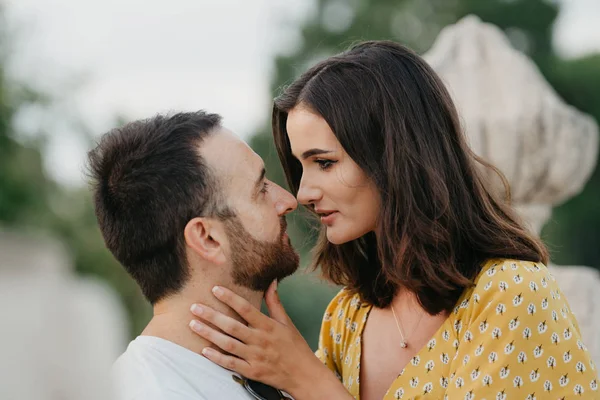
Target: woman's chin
<point x="334" y="236"/>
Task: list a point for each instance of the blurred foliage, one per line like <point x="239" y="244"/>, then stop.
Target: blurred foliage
<point x="573" y="233"/>
<point x="30" y="199"/>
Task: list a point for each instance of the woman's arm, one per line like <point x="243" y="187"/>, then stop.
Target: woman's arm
<point x="269" y="350"/>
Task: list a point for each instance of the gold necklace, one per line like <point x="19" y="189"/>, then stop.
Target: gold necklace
<point x="404" y="342"/>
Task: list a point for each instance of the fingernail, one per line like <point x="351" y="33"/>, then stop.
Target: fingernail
<point x="195" y="325"/>
<point x="196" y="309"/>
<point x="206" y="351"/>
<point x="217" y="291"/>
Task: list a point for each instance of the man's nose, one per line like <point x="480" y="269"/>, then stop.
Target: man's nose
<point x="285" y="202"/>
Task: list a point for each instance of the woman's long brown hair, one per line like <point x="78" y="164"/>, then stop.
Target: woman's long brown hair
<point x="438" y="222"/>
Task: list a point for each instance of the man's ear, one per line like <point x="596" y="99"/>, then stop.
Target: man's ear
<point x="206" y="237"/>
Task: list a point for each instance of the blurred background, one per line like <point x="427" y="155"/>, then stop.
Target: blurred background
<point x="70" y="70"/>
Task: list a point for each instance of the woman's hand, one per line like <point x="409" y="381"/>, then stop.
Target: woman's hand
<point x="269" y="350"/>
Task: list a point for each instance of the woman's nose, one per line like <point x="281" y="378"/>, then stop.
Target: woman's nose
<point x="307" y="193"/>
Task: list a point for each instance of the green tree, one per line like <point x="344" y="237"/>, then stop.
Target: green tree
<point x="573" y="233"/>
<point x="32" y="200"/>
<point x="24" y="186"/>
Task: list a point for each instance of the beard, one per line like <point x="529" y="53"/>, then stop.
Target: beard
<point x="257" y="263"/>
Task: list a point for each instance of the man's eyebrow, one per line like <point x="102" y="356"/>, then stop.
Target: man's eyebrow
<point x="263" y="172"/>
<point x="314" y="152"/>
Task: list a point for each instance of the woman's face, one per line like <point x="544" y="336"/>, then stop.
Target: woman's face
<point x="346" y="200"/>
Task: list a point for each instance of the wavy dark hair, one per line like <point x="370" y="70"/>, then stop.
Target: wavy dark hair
<point x="438" y="222"/>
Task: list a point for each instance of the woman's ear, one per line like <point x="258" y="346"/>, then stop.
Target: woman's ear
<point x="206" y="237"/>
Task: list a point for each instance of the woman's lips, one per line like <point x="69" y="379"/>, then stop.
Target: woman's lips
<point x="328" y="218"/>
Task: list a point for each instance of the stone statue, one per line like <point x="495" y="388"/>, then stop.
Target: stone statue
<point x="514" y="119"/>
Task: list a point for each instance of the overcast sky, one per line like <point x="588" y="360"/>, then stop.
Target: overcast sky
<point x="139" y="57"/>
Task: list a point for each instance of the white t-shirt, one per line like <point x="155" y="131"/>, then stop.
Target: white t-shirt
<point x="156" y="369"/>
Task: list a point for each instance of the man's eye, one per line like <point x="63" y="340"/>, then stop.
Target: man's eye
<point x="265" y="187"/>
<point x="325" y="164"/>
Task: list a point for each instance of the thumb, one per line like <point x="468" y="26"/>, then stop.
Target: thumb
<point x="276" y="310"/>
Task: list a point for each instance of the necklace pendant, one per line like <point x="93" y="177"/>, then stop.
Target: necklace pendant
<point x="403" y="344"/>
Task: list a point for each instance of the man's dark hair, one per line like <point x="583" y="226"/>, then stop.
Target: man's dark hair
<point x="149" y="180"/>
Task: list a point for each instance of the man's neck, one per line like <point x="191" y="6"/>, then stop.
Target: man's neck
<point x="172" y="316"/>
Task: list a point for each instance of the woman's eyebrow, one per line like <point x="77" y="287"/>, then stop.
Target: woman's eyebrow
<point x="314" y="152"/>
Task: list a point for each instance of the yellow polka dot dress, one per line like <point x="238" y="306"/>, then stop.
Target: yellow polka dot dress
<point x="511" y="336"/>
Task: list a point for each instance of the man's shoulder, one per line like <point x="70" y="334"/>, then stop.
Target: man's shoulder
<point x="134" y="378"/>
<point x="162" y="394"/>
<point x="155" y="369"/>
<point x="136" y="360"/>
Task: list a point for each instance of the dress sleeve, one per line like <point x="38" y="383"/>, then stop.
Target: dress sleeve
<point x="329" y="342"/>
<point x="520" y="340"/>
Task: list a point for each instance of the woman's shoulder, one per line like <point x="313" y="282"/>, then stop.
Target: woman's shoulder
<point x="508" y="284"/>
<point x="346" y="305"/>
<point x="516" y="317"/>
<point x="342" y="324"/>
<point x="509" y="276"/>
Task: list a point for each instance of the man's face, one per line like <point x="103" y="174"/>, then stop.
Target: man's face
<point x="260" y="248"/>
<point x="256" y="263"/>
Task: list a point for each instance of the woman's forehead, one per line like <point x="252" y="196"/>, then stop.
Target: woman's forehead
<point x="307" y="129"/>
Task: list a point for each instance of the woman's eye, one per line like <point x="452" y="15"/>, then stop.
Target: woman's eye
<point x="265" y="187"/>
<point x="325" y="164"/>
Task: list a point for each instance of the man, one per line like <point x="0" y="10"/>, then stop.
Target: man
<point x="184" y="205"/>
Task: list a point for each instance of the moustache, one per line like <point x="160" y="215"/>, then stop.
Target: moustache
<point x="283" y="224"/>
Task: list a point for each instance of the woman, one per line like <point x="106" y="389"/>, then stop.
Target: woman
<point x="446" y="294"/>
